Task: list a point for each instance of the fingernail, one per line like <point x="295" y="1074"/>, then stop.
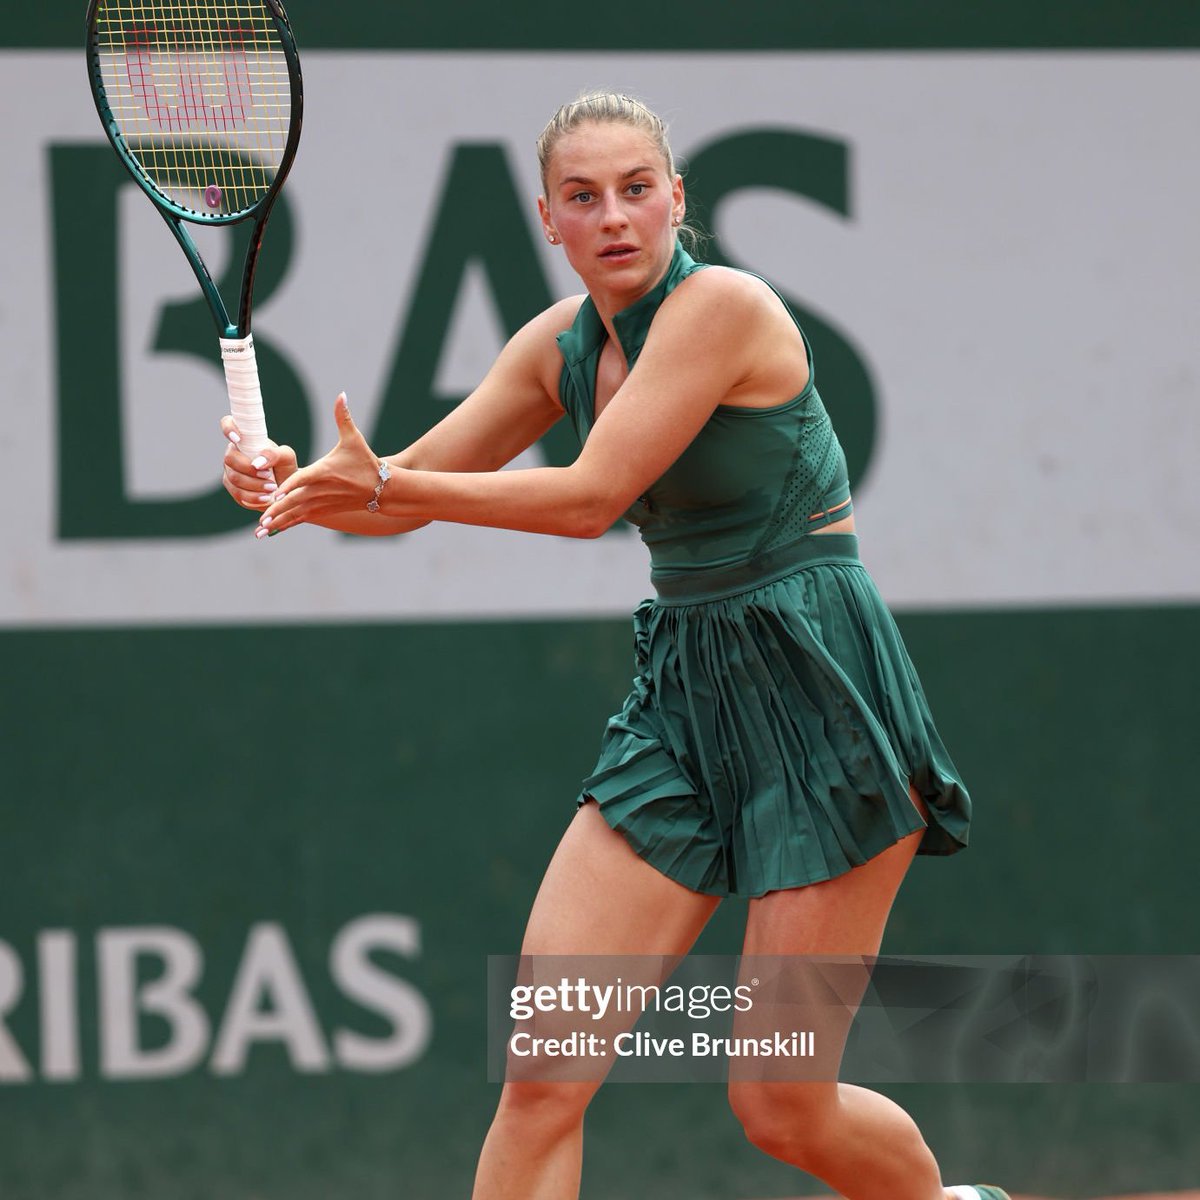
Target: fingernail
<point x="265" y="522"/>
<point x="259" y="463"/>
<point x="261" y="533"/>
<point x="266" y="474"/>
<point x="270" y="485"/>
<point x="234" y="436"/>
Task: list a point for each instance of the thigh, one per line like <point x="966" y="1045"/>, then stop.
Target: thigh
<point x="806" y="948"/>
<point x="845" y="915"/>
<point x="603" y="918"/>
<point x="598" y="897"/>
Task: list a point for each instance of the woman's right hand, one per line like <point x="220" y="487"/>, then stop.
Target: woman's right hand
<point x="251" y="481"/>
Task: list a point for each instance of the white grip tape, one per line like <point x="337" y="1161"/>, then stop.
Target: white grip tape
<point x="245" y="396"/>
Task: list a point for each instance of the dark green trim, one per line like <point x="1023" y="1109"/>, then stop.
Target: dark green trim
<point x="704" y="25"/>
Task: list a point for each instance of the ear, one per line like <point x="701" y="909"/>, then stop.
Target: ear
<point x="678" y="199"/>
<point x="547" y="224"/>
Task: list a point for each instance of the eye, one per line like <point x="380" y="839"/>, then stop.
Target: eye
<point x="582" y="197"/>
<point x="637" y="189"/>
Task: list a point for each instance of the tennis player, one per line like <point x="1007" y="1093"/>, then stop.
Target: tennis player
<point x="776" y="744"/>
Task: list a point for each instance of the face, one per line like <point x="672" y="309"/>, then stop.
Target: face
<point x="613" y="206"/>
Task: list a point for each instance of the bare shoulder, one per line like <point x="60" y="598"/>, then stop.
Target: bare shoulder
<point x="730" y="295"/>
<point x="718" y="310"/>
<point x="550" y="322"/>
<point x="532" y="351"/>
<point x="735" y="318"/>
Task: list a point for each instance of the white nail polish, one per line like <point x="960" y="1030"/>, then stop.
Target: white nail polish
<point x="259" y="463"/>
<point x="260" y="533"/>
<point x="270" y="485"/>
<point x="234" y="436"/>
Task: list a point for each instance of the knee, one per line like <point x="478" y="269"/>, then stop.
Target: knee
<point x="784" y="1120"/>
<point x="545" y="1105"/>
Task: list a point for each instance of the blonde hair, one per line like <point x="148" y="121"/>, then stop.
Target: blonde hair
<point x="609" y="107"/>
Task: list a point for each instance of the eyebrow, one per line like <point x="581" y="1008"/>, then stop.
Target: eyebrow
<point x="583" y="179"/>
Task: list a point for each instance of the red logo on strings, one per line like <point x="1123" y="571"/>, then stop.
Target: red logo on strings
<point x="178" y="84"/>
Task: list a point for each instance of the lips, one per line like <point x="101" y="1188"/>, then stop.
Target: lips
<point x="618" y="251"/>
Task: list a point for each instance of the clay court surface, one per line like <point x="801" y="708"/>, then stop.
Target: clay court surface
<point x="1188" y="1195"/>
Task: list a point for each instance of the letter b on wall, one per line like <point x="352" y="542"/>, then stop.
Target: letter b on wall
<point x="93" y="496"/>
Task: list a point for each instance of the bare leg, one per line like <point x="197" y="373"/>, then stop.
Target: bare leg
<point x="857" y="1141"/>
<point x="597" y="897"/>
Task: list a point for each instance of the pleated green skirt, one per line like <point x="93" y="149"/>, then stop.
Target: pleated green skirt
<point x="774" y="724"/>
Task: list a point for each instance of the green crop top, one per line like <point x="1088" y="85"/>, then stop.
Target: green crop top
<point x="752" y="479"/>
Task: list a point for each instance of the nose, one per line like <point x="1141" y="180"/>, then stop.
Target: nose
<point x="612" y="214"/>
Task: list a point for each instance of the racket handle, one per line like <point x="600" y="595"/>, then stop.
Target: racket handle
<point x="245" y="396"/>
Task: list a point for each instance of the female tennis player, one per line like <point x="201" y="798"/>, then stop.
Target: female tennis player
<point x="776" y="743"/>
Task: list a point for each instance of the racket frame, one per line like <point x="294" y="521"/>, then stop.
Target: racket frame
<point x="175" y="215"/>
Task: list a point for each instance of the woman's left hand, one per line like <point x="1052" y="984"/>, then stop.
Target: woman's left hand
<point x="343" y="481"/>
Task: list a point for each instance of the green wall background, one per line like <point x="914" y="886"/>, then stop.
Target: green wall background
<point x="210" y="778"/>
<point x="705" y="25"/>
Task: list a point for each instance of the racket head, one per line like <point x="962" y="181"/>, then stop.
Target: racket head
<point x="202" y="102"/>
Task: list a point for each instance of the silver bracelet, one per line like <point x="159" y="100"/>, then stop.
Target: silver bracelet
<point x="385" y="473"/>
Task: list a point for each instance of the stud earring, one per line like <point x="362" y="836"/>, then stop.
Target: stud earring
<point x="552" y="239"/>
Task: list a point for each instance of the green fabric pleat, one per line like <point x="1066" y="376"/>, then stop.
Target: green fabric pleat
<point x="770" y="736"/>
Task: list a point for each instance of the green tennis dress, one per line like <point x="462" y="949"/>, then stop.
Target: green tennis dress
<point x="775" y="719"/>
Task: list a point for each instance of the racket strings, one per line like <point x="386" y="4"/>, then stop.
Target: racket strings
<point x="201" y="95"/>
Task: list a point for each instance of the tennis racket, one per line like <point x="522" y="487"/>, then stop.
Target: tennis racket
<point x="202" y="101"/>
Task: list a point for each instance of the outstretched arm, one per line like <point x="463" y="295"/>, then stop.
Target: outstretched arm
<point x="515" y="404"/>
<point x="702" y="345"/>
